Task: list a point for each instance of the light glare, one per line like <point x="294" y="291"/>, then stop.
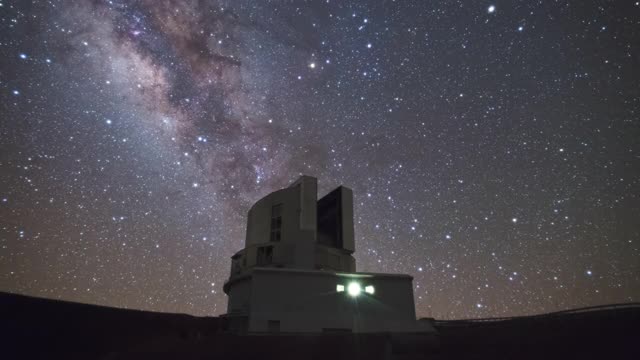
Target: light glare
<point x="354" y="289"/>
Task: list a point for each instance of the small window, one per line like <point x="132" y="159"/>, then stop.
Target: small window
<point x="265" y="255"/>
<point x="235" y="265"/>
<point x="273" y="325"/>
<point x="276" y="223"/>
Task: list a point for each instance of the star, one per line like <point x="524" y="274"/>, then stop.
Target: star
<point x="171" y="119"/>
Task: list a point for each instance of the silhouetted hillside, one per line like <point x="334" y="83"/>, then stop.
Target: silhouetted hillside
<point x="40" y="328"/>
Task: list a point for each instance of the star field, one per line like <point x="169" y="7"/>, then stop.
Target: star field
<point x="492" y="146"/>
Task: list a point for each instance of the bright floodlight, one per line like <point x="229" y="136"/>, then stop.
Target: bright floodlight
<point x="369" y="289"/>
<point x="340" y="288"/>
<point x="354" y="289"/>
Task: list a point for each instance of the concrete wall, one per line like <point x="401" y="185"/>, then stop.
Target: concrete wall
<point x="298" y="221"/>
<point x="239" y="297"/>
<point x="307" y="301"/>
<point x="334" y="259"/>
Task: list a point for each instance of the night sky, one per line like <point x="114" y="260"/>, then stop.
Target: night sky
<point x="493" y="147"/>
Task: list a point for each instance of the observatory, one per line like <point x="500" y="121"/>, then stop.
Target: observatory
<point x="297" y="274"/>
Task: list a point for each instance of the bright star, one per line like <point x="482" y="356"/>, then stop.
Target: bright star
<point x="23" y="56"/>
<point x="312" y="65"/>
<point x="491" y="9"/>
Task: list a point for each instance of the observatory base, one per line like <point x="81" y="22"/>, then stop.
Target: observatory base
<point x="272" y="300"/>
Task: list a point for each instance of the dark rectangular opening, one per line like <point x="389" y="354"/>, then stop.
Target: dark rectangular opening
<point x="273" y="325"/>
<point x="265" y="255"/>
<point x="276" y="223"/>
<point x="330" y="219"/>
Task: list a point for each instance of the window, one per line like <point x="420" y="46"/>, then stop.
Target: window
<point x="237" y="262"/>
<point x="276" y="223"/>
<point x="235" y="266"/>
<point x="265" y="255"/>
<point x="273" y="325"/>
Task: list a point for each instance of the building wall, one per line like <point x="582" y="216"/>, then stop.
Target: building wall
<point x="307" y="301"/>
<point x="329" y="258"/>
<point x="239" y="297"/>
<point x="298" y="220"/>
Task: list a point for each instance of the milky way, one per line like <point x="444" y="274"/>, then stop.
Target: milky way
<point x="492" y="147"/>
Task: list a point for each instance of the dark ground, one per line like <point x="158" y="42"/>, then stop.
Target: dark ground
<point x="41" y="328"/>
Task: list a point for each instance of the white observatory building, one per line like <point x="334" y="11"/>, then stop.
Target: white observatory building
<point x="296" y="273"/>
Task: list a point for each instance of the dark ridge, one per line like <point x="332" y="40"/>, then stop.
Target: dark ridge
<point x="41" y="328"/>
